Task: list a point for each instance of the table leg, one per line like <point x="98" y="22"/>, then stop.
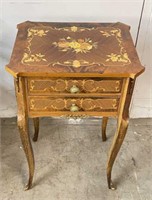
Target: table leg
<point x="36" y="128"/>
<point x="104" y="126"/>
<point x="22" y="121"/>
<point x="117" y="142"/>
<point x="24" y="135"/>
<point x="122" y="125"/>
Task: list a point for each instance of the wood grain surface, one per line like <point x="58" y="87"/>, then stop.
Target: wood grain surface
<point x="69" y="48"/>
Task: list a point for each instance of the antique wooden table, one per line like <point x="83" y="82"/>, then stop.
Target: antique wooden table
<point x="74" y="70"/>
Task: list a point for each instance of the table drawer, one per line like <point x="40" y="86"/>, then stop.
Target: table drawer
<point x="72" y="104"/>
<point x="48" y="86"/>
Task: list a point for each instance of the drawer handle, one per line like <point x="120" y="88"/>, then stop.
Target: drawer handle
<point x="74" y="89"/>
<point x="74" y="108"/>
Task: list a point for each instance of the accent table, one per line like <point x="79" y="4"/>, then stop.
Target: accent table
<point x="74" y="70"/>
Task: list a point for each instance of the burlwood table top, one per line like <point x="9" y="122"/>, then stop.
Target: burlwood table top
<point x="74" y="49"/>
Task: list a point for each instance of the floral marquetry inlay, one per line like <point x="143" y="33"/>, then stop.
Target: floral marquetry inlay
<point x="30" y="58"/>
<point x="36" y="32"/>
<point x="61" y="46"/>
<point x="73" y="29"/>
<point x="75" y="63"/>
<point x="114" y="32"/>
<point x="123" y="56"/>
<point x="118" y="58"/>
<point x="78" y="46"/>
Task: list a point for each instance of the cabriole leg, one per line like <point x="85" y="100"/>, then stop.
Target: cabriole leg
<point x="22" y="120"/>
<point x="25" y="139"/>
<point x="36" y="128"/>
<point x="104" y="126"/>
<point x="117" y="142"/>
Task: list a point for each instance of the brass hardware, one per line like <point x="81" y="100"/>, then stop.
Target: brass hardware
<point x="112" y="186"/>
<point x="74" y="89"/>
<point x="74" y="108"/>
<point x="81" y="116"/>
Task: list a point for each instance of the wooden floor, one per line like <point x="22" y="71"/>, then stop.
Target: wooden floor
<point x="71" y="162"/>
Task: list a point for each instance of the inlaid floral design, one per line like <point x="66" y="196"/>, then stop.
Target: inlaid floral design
<point x="73" y="29"/>
<point x="30" y="58"/>
<point x="118" y="58"/>
<point x="114" y="32"/>
<point x="75" y="63"/>
<point x="40" y="33"/>
<point x="78" y="46"/>
<point x="123" y="56"/>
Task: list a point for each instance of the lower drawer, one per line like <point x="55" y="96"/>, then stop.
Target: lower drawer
<point x="72" y="104"/>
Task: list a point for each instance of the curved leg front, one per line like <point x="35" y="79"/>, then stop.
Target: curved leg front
<point x="36" y="128"/>
<point x="104" y="126"/>
<point x="22" y="120"/>
<point x="117" y="142"/>
<point x="24" y="135"/>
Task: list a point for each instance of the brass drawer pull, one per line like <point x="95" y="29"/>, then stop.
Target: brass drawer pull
<point x="74" y="108"/>
<point x="74" y="89"/>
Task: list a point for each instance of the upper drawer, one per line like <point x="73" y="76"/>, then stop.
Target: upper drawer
<point x="73" y="85"/>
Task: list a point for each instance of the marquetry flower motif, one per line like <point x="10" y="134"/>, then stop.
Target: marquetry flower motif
<point x="118" y="58"/>
<point x="78" y="46"/>
<point x="122" y="56"/>
<point x="74" y="28"/>
<point x="76" y="63"/>
<point x="34" y="32"/>
<point x="114" y="32"/>
<point x="30" y="58"/>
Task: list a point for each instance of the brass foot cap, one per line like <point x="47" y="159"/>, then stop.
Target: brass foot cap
<point x="112" y="187"/>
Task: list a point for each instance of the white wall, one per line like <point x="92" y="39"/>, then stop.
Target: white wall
<point x="16" y="11"/>
<point x="142" y="99"/>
